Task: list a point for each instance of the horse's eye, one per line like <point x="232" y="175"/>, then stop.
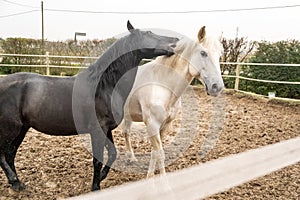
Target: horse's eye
<point x="203" y="53"/>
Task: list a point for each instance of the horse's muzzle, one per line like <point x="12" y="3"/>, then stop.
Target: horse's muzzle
<point x="215" y="89"/>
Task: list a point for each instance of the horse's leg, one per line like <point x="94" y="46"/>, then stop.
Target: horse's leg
<point x="154" y="123"/>
<point x="112" y="155"/>
<point x="157" y="156"/>
<point x="12" y="154"/>
<point x="7" y="158"/>
<point x="10" y="174"/>
<point x="174" y="113"/>
<point x="167" y="127"/>
<point x="98" y="141"/>
<point x="14" y="148"/>
<point x="126" y="127"/>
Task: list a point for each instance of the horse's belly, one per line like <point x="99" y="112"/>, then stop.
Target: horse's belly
<point x="132" y="110"/>
<point x="48" y="106"/>
<point x="58" y="124"/>
<point x="50" y="118"/>
<point x="135" y="117"/>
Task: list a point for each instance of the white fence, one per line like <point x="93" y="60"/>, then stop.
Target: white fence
<point x="209" y="178"/>
<point x="47" y="58"/>
<point x="238" y="69"/>
<point x="237" y="76"/>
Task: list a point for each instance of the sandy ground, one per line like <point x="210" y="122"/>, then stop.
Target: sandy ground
<point x="60" y="167"/>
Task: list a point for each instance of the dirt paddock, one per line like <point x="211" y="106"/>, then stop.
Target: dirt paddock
<point x="61" y="167"/>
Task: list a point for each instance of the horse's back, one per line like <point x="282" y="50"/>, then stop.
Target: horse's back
<point x="41" y="102"/>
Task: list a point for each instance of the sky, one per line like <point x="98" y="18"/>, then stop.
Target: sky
<point x="262" y="24"/>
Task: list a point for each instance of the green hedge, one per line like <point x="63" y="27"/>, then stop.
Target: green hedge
<point x="92" y="48"/>
<point x="278" y="52"/>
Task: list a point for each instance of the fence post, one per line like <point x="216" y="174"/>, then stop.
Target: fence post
<point x="237" y="77"/>
<point x="47" y="64"/>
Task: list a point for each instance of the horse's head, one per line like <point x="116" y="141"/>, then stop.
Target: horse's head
<point x="152" y="45"/>
<point x="205" y="63"/>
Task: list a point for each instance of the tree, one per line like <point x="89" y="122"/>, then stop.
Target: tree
<point x="236" y="50"/>
<point x="278" y="52"/>
<point x="1" y="43"/>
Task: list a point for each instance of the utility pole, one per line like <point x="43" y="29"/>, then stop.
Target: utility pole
<point x="43" y="39"/>
<point x="237" y="32"/>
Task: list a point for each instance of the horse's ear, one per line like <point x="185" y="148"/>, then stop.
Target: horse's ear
<point x="129" y="26"/>
<point x="201" y="34"/>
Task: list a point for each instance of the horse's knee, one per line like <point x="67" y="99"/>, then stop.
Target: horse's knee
<point x="158" y="111"/>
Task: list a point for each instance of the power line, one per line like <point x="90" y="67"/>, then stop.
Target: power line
<point x="19" y="13"/>
<point x="172" y="12"/>
<point x="19" y="4"/>
<point x="143" y="12"/>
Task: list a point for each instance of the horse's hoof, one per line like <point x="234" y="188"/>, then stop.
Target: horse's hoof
<point x="95" y="188"/>
<point x="18" y="186"/>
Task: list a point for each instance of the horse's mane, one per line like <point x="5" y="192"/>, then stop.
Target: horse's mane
<point x="183" y="50"/>
<point x="185" y="47"/>
<point x="116" y="61"/>
<point x="118" y="68"/>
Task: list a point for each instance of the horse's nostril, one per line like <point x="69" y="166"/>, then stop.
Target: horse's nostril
<point x="215" y="86"/>
<point x="173" y="45"/>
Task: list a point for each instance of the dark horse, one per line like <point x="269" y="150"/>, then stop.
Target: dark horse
<point x="91" y="102"/>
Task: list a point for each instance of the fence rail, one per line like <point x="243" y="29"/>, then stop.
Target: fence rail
<point x="261" y="80"/>
<point x="238" y="70"/>
<point x="45" y="56"/>
<point x="260" y="64"/>
<point x="43" y="66"/>
<point x="236" y="76"/>
<point x="209" y="178"/>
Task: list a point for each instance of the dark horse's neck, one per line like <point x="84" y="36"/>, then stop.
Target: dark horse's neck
<point x="120" y="71"/>
<point x="94" y="88"/>
<point x="114" y="64"/>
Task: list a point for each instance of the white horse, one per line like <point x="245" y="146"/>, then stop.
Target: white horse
<point x="155" y="96"/>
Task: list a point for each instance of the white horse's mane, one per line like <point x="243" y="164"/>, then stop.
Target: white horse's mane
<point x="185" y="46"/>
